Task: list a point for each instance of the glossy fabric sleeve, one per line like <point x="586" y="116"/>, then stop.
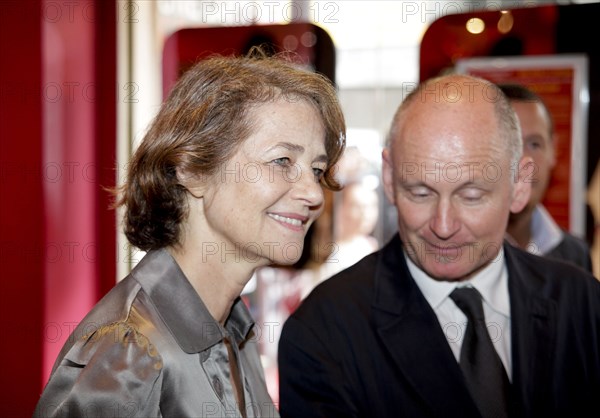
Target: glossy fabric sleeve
<point x="112" y="372"/>
<point x="311" y="382"/>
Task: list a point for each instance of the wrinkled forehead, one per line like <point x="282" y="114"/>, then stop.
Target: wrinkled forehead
<point x="484" y="165"/>
<point x="261" y="113"/>
<point x="453" y="173"/>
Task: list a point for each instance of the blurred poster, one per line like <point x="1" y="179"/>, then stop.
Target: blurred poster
<point x="562" y="82"/>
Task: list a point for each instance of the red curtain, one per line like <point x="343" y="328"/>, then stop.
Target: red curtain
<point x="57" y="154"/>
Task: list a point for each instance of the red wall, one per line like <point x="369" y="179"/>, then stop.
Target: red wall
<point x="21" y="210"/>
<point x="57" y="151"/>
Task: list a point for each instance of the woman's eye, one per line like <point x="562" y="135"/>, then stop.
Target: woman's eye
<point x="319" y="173"/>
<point x="282" y="161"/>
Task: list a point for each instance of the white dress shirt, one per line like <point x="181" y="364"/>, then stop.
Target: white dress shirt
<point x="492" y="283"/>
<point x="545" y="232"/>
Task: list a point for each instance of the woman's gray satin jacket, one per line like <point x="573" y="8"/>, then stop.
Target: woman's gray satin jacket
<point x="150" y="348"/>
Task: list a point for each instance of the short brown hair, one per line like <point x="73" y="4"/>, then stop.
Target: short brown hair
<point x="520" y="93"/>
<point x="201" y="125"/>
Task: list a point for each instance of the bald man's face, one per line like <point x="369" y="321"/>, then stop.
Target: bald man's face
<point x="448" y="173"/>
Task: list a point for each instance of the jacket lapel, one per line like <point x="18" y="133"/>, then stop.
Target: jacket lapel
<point x="533" y="323"/>
<point x="411" y="333"/>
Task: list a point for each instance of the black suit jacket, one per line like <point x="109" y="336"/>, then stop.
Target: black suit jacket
<point x="366" y="343"/>
<point x="574" y="250"/>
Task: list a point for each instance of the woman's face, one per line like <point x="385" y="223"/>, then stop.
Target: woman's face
<point x="260" y="204"/>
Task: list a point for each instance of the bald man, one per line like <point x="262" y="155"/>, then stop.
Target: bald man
<point x="400" y="333"/>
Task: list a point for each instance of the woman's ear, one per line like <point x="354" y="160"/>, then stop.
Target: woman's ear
<point x="522" y="184"/>
<point x="195" y="184"/>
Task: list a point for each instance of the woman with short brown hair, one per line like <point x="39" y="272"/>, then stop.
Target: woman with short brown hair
<point x="228" y="178"/>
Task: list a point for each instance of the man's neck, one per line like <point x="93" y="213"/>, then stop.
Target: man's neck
<point x="519" y="227"/>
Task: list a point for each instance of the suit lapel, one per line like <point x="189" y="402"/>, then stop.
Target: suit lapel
<point x="410" y="332"/>
<point x="533" y="323"/>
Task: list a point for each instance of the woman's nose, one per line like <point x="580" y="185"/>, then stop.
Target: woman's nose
<point x="307" y="187"/>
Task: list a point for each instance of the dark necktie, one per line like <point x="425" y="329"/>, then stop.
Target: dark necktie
<point x="486" y="378"/>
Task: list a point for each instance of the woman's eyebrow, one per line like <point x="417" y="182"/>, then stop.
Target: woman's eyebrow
<point x="290" y="146"/>
<point x="300" y="149"/>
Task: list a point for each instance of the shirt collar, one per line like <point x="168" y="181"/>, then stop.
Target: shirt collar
<point x="545" y="232"/>
<point x="181" y="308"/>
<point x="491" y="282"/>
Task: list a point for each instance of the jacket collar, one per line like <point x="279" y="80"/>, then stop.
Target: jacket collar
<point x="395" y="290"/>
<point x="181" y="308"/>
<point x="533" y="326"/>
<point x="410" y="331"/>
<point x="407" y="326"/>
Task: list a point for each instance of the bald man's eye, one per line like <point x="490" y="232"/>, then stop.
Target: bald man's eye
<point x="419" y="193"/>
<point x="471" y="195"/>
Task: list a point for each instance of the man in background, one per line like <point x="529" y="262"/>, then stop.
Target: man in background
<point x="533" y="229"/>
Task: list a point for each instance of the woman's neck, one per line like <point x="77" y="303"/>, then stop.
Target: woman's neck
<point x="217" y="283"/>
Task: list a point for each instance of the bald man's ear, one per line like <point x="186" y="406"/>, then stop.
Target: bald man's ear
<point x="388" y="175"/>
<point x="522" y="184"/>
